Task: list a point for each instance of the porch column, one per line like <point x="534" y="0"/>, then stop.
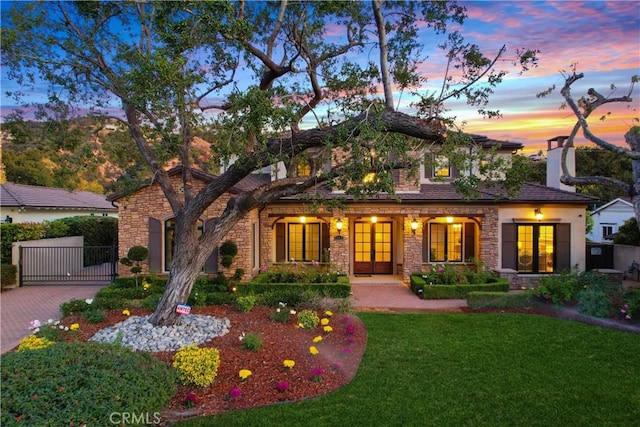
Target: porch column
<point x="412" y="248"/>
<point x="339" y="245"/>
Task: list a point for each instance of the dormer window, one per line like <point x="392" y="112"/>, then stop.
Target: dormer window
<point x="303" y="167"/>
<point x="441" y="167"/>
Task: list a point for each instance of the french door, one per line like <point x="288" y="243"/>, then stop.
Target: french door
<point x="373" y="248"/>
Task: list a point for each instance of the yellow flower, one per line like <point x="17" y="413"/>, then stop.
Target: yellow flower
<point x="328" y="329"/>
<point x="317" y="339"/>
<point x="328" y="313"/>
<point x="313" y="350"/>
<point x="324" y="321"/>
<point x="126" y="312"/>
<point x="74" y="326"/>
<point x="289" y="363"/>
<point x="244" y="374"/>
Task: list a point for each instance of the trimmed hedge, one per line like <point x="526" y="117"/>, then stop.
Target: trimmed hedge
<point x="477" y="300"/>
<point x="339" y="289"/>
<point x="419" y="287"/>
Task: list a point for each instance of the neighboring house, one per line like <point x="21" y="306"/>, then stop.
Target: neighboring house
<point x="29" y="203"/>
<point x="539" y="231"/>
<point x="608" y="218"/>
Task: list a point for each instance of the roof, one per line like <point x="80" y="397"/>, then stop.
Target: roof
<point x="611" y="203"/>
<point x="487" y="142"/>
<point x="446" y="192"/>
<point x="31" y="196"/>
<point x="248" y="183"/>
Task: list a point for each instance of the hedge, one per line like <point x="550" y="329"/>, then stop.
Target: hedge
<point x="477" y="300"/>
<point x="339" y="289"/>
<point x="419" y="287"/>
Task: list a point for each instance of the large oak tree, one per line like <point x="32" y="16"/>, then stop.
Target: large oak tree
<point x="272" y="81"/>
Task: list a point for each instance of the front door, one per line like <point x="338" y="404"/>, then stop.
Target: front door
<point x="373" y="248"/>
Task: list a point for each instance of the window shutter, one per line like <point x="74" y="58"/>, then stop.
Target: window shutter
<point x="155" y="245"/>
<point x="280" y="242"/>
<point x="469" y="240"/>
<point x="425" y="242"/>
<point x="563" y="247"/>
<point x="325" y="241"/>
<point x="211" y="265"/>
<point x="428" y="165"/>
<point x="509" y="246"/>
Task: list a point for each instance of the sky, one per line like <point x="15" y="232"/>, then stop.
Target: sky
<point x="601" y="37"/>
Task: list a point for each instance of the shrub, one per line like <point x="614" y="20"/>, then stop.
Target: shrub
<point x="75" y="306"/>
<point x="593" y="302"/>
<point x="8" y="274"/>
<point x="228" y="251"/>
<point x="281" y="313"/>
<point x="246" y="303"/>
<point x="252" y="341"/>
<point x="134" y="258"/>
<point x="308" y="319"/>
<point x="478" y="300"/>
<point x="96" y="230"/>
<point x="94" y="315"/>
<point x="196" y="365"/>
<point x="557" y="288"/>
<point x="33" y="342"/>
<point x="630" y="306"/>
<point x="628" y="233"/>
<point x="74" y="383"/>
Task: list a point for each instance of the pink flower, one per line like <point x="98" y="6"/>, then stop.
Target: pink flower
<point x="282" y="386"/>
<point x="235" y="393"/>
<point x="314" y="262"/>
<point x="350" y="329"/>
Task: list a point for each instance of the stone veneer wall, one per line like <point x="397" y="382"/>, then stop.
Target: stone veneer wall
<point x="133" y="224"/>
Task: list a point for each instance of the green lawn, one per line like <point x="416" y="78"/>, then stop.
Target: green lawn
<point x="474" y="370"/>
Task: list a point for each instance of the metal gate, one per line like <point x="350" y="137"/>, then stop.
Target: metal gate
<point x="599" y="255"/>
<point x="68" y="265"/>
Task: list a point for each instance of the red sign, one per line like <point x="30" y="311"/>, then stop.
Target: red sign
<point x="183" y="309"/>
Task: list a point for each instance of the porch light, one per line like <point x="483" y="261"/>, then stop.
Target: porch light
<point x="449" y="219"/>
<point x="414" y="226"/>
<point x="538" y="213"/>
<point x="303" y="219"/>
<point x="339" y="225"/>
<point x="374" y="219"/>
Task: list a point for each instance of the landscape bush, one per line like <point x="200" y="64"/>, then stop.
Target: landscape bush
<point x="477" y="300"/>
<point x="426" y="290"/>
<point x="594" y="302"/>
<point x="79" y="383"/>
<point x="74" y="306"/>
<point x="558" y="289"/>
<point x="196" y="365"/>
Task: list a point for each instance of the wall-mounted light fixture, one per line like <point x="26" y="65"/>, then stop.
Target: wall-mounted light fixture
<point x="414" y="226"/>
<point x="339" y="226"/>
<point x="303" y="219"/>
<point x="538" y="213"/>
<point x="374" y="219"/>
<point x="449" y="219"/>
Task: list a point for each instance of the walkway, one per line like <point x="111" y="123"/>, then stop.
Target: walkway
<point x="18" y="307"/>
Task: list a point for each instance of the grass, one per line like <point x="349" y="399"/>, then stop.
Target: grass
<point x="474" y="370"/>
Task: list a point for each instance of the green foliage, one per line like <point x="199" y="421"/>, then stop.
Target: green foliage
<point x="593" y="302"/>
<point x="96" y="230"/>
<point x="252" y="341"/>
<point x="308" y="319"/>
<point x="81" y="383"/>
<point x="134" y="258"/>
<point x="630" y="305"/>
<point x="229" y="247"/>
<point x="281" y="314"/>
<point x="10" y="233"/>
<point x="299" y="273"/>
<point x="94" y="315"/>
<point x="478" y="299"/>
<point x="628" y="233"/>
<point x="446" y="281"/>
<point x="198" y="366"/>
<point x="272" y="293"/>
<point x="245" y="303"/>
<point x="558" y="289"/>
<point x="74" y="306"/>
<point x="8" y="274"/>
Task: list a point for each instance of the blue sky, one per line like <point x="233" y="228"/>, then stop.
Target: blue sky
<point x="602" y="37"/>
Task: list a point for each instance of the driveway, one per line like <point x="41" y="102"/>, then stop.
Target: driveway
<point x="18" y="307"/>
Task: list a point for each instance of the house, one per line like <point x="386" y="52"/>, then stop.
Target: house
<point x="608" y="218"/>
<point x="29" y="203"/>
<point x="537" y="232"/>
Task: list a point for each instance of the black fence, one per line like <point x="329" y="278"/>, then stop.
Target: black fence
<point x="599" y="255"/>
<point x="67" y="265"/>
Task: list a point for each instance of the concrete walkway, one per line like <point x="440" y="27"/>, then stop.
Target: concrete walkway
<point x="20" y="306"/>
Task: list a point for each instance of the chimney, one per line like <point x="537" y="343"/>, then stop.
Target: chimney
<point x="554" y="163"/>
